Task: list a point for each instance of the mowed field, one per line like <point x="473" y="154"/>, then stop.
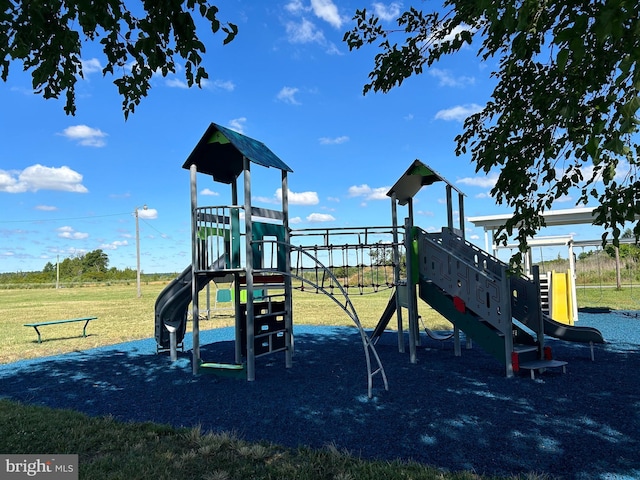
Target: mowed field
<point x="123" y="317"/>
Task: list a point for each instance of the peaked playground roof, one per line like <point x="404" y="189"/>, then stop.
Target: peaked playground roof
<point x="220" y="153"/>
<point x="418" y="175"/>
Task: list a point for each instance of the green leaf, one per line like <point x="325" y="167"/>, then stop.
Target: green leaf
<point x="561" y="59"/>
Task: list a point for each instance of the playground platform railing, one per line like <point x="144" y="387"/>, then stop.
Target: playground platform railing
<point x="217" y="232"/>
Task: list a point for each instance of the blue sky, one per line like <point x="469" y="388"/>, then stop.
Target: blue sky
<point x="69" y="185"/>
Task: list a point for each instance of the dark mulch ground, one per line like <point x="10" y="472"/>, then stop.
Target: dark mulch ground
<point x="452" y="412"/>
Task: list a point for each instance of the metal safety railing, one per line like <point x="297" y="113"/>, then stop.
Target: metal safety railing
<point x="218" y="238"/>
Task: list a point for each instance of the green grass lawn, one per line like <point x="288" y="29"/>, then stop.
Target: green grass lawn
<point x="114" y="450"/>
<point x="123" y="317"/>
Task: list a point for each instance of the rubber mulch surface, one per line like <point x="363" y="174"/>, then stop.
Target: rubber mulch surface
<point x="455" y="413"/>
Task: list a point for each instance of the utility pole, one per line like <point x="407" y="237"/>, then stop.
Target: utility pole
<point x="138" y="251"/>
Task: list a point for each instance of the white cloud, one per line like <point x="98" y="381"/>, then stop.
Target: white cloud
<point x="623" y="170"/>
<point x="71" y="234"/>
<point x="38" y="177"/>
<point x="304" y="31"/>
<point x="261" y="199"/>
<point x="458" y="113"/>
<point x="333" y="141"/>
<point x="295" y="221"/>
<point x="387" y="12"/>
<point x="332" y="49"/>
<point x="85" y="136"/>
<point x="227" y="85"/>
<point x="114" y="245"/>
<point x="120" y="195"/>
<point x="359" y="190"/>
<point x="147" y="213"/>
<point x="457" y="31"/>
<point x="91" y="65"/>
<point x="175" y="82"/>
<point x="22" y="90"/>
<point x="46" y="208"/>
<point x="302" y="198"/>
<point x="426" y="213"/>
<point x="288" y="95"/>
<point x="368" y="193"/>
<point x="484" y="181"/>
<point x="327" y="11"/>
<point x="447" y="79"/>
<point x="294" y="6"/>
<point x="238" y="124"/>
<point x="301" y="29"/>
<point x="320" y="218"/>
<point x="9" y="184"/>
<point x="208" y="191"/>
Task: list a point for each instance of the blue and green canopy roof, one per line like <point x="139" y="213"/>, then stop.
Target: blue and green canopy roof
<point x="220" y="153"/>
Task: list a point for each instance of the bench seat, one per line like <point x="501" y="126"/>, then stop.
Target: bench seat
<point x="86" y="321"/>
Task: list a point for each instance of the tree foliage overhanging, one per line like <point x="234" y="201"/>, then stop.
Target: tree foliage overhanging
<point x="563" y="116"/>
<point x="48" y="36"/>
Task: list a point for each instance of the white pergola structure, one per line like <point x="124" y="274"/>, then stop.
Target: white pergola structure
<point x="552" y="218"/>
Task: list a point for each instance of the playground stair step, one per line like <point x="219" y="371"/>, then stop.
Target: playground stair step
<point x="519" y="348"/>
<point x="526" y="353"/>
<point x="544" y="294"/>
<point x="262" y="279"/>
<point x="542" y="365"/>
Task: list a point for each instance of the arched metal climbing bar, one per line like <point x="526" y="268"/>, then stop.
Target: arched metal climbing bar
<point x="373" y="362"/>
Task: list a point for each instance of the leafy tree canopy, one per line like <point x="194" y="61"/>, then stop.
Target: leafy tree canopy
<point x="47" y="37"/>
<point x="564" y="112"/>
<point x="96" y="261"/>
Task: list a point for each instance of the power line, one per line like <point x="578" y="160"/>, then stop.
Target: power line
<point x="162" y="235"/>
<point x="65" y="219"/>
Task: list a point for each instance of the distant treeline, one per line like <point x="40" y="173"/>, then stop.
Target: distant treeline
<point x="91" y="267"/>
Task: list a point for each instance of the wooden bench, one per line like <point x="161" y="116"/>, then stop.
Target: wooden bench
<point x="86" y="321"/>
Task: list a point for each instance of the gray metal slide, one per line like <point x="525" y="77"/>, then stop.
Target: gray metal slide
<point x="571" y="333"/>
<point x="172" y="304"/>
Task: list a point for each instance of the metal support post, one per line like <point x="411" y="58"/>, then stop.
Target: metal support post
<point x="288" y="316"/>
<point x="194" y="266"/>
<point x="411" y="289"/>
<point x="250" y="334"/>
<point x="396" y="271"/>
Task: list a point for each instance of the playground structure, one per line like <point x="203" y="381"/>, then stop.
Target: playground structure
<point x="253" y="249"/>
